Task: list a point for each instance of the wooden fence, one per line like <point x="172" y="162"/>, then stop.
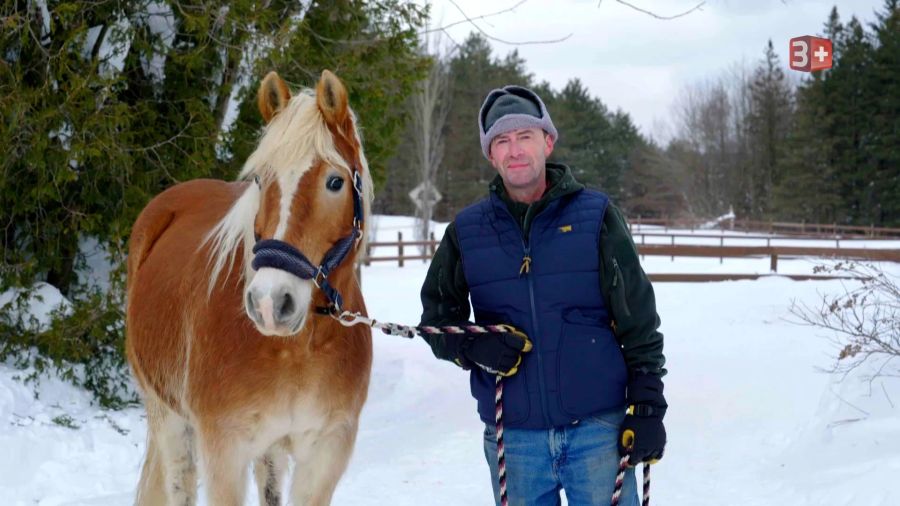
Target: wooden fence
<point x="774" y="253"/>
<point x="812" y="230"/>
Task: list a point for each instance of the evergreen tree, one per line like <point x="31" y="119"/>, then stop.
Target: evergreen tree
<point x="768" y="123"/>
<point x="104" y="104"/>
<point x="595" y="143"/>
<point x="850" y="103"/>
<point x="885" y="120"/>
<point x="474" y="73"/>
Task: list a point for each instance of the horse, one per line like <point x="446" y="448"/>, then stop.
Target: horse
<point x="229" y="288"/>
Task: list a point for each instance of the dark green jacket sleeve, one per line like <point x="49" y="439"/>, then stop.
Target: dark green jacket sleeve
<point x="445" y="293"/>
<point x="630" y="297"/>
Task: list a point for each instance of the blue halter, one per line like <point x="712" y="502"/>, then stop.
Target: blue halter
<point x="281" y="255"/>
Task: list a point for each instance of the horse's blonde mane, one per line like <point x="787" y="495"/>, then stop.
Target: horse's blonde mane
<point x="295" y="139"/>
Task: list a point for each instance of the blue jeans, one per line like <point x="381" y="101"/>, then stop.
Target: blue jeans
<point x="582" y="458"/>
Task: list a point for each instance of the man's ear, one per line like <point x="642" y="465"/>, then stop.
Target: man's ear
<point x="548" y="144"/>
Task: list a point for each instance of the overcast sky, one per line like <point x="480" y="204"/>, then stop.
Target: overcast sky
<point x="637" y="63"/>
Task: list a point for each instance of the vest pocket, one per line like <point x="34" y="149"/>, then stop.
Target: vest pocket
<point x="591" y="369"/>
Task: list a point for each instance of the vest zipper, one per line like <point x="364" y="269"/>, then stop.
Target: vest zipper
<point x="526" y="247"/>
<point x="534" y="325"/>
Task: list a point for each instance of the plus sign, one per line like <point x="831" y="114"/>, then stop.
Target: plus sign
<point x="821" y="53"/>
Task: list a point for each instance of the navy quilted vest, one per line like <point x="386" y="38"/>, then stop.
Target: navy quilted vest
<point x="576" y="368"/>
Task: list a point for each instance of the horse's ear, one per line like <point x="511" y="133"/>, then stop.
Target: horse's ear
<point x="331" y="97"/>
<point x="273" y="96"/>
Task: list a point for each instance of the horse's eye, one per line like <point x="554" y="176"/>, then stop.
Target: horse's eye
<point x="334" y="183"/>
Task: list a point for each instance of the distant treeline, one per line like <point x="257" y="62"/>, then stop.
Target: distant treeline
<point x="825" y="149"/>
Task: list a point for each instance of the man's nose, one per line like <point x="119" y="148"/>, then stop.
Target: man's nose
<point x="515" y="149"/>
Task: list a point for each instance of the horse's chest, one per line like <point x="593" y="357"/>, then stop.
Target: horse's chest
<point x="298" y="418"/>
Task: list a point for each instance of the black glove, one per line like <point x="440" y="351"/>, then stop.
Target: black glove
<point x="498" y="351"/>
<point x="642" y="430"/>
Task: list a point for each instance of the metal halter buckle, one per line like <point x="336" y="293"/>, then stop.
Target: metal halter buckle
<point x="316" y="281"/>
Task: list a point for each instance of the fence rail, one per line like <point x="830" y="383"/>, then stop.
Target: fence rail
<point x="684" y="250"/>
<point x="823" y="230"/>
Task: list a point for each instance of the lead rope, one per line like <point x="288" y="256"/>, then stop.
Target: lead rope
<point x="620" y="479"/>
<point x="348" y="319"/>
<point x="501" y="451"/>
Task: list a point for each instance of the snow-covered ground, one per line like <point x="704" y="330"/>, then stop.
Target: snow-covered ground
<point x="751" y="420"/>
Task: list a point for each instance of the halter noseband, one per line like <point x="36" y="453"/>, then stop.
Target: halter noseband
<point x="280" y="255"/>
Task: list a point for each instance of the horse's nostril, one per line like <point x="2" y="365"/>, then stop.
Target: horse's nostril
<point x="287" y="307"/>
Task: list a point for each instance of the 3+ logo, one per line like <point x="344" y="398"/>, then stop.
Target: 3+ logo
<point x="809" y="54"/>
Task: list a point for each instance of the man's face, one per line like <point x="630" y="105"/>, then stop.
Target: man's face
<point x="519" y="156"/>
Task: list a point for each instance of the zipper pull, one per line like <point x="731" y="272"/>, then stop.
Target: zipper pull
<point x="526" y="265"/>
<point x="526" y="262"/>
<point x="615" y="272"/>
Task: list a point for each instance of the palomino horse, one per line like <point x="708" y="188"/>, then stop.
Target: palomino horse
<point x="236" y="361"/>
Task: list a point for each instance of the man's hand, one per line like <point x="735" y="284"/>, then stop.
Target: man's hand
<point x="642" y="431"/>
<point x="498" y="351"/>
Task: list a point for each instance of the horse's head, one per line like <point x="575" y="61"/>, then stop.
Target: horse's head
<point x="304" y="210"/>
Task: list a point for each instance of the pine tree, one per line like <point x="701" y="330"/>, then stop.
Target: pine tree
<point x="474" y="72"/>
<point x="768" y="122"/>
<point x="885" y="120"/>
<point x="595" y="143"/>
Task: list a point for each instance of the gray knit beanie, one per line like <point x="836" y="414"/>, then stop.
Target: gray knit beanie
<point x="511" y="108"/>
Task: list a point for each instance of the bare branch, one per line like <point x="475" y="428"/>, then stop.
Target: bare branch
<point x="511" y="43"/>
<point x="863" y="322"/>
<point x="657" y="16"/>
<point x="469" y="20"/>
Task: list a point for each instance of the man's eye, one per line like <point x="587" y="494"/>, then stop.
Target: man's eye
<point x="334" y="183"/>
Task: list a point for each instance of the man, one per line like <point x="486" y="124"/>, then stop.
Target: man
<point x="556" y="261"/>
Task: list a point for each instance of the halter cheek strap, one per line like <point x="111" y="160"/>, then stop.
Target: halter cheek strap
<point x="280" y="255"/>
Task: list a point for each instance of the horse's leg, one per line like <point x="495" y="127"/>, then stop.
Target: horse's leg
<point x="320" y="464"/>
<point x="151" y="487"/>
<point x="225" y="466"/>
<point x="176" y="449"/>
<point x="169" y="476"/>
<point x="269" y="471"/>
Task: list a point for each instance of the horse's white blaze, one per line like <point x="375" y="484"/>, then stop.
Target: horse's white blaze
<point x="288" y="183"/>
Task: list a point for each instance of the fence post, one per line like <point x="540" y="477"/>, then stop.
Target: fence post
<point x="773" y="265"/>
<point x="400" y="248"/>
<point x="368" y="254"/>
<point x="721" y="245"/>
<point x="673" y="244"/>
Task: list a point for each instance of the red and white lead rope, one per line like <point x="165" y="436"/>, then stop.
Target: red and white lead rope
<point x="501" y="451"/>
<point x="620" y="480"/>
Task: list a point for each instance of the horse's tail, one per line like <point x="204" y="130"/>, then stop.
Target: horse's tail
<point x="151" y="487"/>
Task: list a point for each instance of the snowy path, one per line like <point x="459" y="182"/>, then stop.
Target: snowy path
<point x="750" y="422"/>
